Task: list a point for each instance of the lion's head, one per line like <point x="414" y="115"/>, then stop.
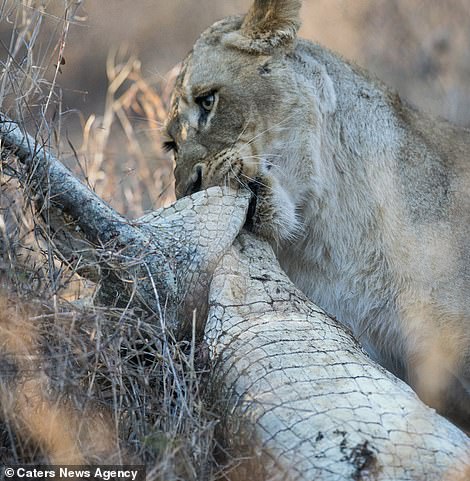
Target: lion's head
<point x="246" y="110"/>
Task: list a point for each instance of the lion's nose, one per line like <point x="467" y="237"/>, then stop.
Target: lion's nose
<point x="195" y="182"/>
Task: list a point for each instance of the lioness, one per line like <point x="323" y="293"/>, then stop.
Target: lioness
<point x="365" y="200"/>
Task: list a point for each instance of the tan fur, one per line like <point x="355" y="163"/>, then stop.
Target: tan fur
<point x="366" y="201"/>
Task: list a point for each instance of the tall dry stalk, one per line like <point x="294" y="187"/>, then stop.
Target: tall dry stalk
<point x="129" y="133"/>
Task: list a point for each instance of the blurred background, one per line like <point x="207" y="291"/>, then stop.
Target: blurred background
<point x="419" y="47"/>
<point x="119" y="55"/>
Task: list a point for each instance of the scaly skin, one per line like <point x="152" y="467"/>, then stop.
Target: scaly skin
<point x="300" y="385"/>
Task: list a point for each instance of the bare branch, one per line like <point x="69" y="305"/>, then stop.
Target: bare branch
<point x="150" y="262"/>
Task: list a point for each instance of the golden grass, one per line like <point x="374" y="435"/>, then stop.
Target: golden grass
<point x="123" y="158"/>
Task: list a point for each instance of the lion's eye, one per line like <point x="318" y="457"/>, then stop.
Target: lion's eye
<point x="206" y="102"/>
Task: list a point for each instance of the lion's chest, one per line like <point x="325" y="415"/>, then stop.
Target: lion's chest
<point x="348" y="279"/>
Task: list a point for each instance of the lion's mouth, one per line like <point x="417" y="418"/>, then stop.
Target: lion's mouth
<point x="250" y="216"/>
<point x="195" y="183"/>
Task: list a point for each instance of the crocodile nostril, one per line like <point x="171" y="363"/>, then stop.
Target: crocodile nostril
<point x="195" y="183"/>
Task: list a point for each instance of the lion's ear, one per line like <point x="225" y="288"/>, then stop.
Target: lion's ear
<point x="277" y="20"/>
<point x="267" y="25"/>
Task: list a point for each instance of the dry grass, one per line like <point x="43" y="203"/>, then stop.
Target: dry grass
<point x="123" y="159"/>
<point x="83" y="386"/>
<point x="80" y="384"/>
